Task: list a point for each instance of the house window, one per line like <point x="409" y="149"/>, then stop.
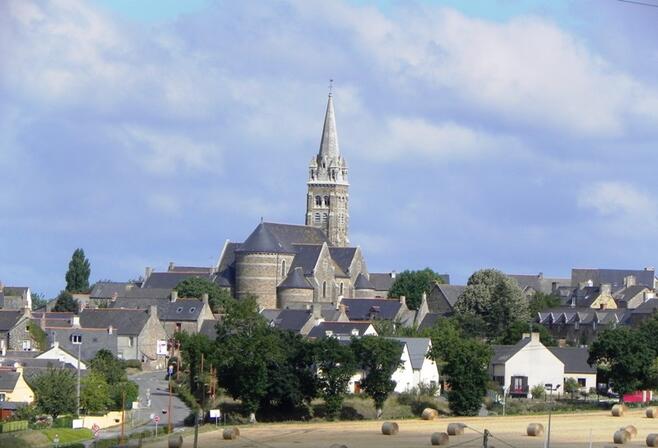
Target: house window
<point x="283" y="268"/>
<point x="324" y="289"/>
<point x="76" y="338"/>
<point x="3" y="397"/>
<point x="131" y="341"/>
<point x="582" y="382"/>
<point x="192" y="310"/>
<point x="341" y="288"/>
<point x="326" y="201"/>
<point x="179" y="309"/>
<point x="178" y="326"/>
<point x="318" y="201"/>
<point x="27" y="345"/>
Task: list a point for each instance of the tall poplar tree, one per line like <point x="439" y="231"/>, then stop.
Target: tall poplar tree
<point x="77" y="277"/>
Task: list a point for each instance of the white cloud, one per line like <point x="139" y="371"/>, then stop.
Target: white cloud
<point x="618" y="199"/>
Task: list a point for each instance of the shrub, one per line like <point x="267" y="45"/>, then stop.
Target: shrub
<point x="538" y="391"/>
<point x="63" y="422"/>
<point x="20" y="425"/>
<point x="73" y="445"/>
<point x="133" y="364"/>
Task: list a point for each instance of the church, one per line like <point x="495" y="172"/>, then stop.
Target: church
<point x="294" y="266"/>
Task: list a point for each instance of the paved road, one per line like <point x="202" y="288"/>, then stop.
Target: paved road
<point x="151" y="384"/>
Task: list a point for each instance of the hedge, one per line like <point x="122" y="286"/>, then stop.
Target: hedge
<point x="19" y="425"/>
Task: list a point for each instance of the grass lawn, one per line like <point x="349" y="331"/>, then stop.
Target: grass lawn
<point x="67" y="435"/>
<point x="12" y="441"/>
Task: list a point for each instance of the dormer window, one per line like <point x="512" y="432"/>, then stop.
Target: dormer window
<point x="355" y="332"/>
<point x="283" y="268"/>
<point x="192" y="310"/>
<point x="179" y="309"/>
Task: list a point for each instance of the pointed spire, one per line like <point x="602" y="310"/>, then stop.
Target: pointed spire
<point x="329" y="143"/>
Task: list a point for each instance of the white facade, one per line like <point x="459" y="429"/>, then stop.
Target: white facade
<point x="585" y="380"/>
<point x="59" y="354"/>
<point x="404" y="376"/>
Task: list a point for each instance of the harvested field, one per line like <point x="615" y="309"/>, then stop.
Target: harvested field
<point x="568" y="430"/>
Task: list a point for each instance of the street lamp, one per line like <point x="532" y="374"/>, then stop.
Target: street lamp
<point x="550" y="411"/>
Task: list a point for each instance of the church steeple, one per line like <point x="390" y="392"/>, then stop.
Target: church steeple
<point x="327" y="198"/>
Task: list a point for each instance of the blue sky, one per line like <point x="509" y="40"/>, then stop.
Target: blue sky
<point x="519" y="135"/>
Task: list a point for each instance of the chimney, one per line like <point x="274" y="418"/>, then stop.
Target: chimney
<point x="342" y="308"/>
<point x="423" y="298"/>
<point x="649" y="295"/>
<point x="75" y="322"/>
<point x="153" y="310"/>
<point x="403" y="300"/>
<point x="561" y="343"/>
<point x="147" y="272"/>
<point x="115" y="296"/>
<point x="174" y="296"/>
<point x="525" y="335"/>
<point x="3" y="347"/>
<point x="540" y="276"/>
<point x="553" y="287"/>
<point x="55" y="344"/>
<point x="317" y="311"/>
<point x="534" y="336"/>
<point x="171" y="266"/>
<point x="110" y="329"/>
<point x="606" y="288"/>
<point x="27" y="312"/>
<point x="393" y="274"/>
<point x="204" y="298"/>
<point x="629" y="280"/>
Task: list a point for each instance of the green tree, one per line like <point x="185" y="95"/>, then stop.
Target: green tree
<point x="379" y="358"/>
<point x="77" y="277"/>
<point x="55" y="392"/>
<point x="514" y="332"/>
<point x="412" y="285"/>
<point x="66" y="303"/>
<point x="540" y="302"/>
<point x="196" y="286"/>
<point x="336" y="364"/>
<point x="538" y="391"/>
<point x="38" y="300"/>
<point x="107" y="365"/>
<point x="463" y="362"/>
<point x="627" y="357"/>
<point x="124" y="392"/>
<point x="95" y="394"/>
<point x="493" y="298"/>
<point x="193" y="348"/>
<point x="571" y="387"/>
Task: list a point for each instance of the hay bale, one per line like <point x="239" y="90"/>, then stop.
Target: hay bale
<point x="622" y="436"/>
<point x="338" y="445"/>
<point x="175" y="441"/>
<point x="652" y="439"/>
<point x="652" y="413"/>
<point x="618" y="410"/>
<point x="390" y="428"/>
<point x="456" y="429"/>
<point x="439" y="438"/>
<point x="535" y="429"/>
<point x="429" y="414"/>
<point x="231" y="433"/>
<point x="632" y="430"/>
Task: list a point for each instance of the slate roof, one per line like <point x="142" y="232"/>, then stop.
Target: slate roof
<point x="8" y="319"/>
<point x="306" y="257"/>
<point x="295" y="280"/>
<point x="538" y="282"/>
<point x="502" y="353"/>
<point x="648" y="307"/>
<point x="180" y="310"/>
<point x="208" y="328"/>
<point x="429" y="320"/>
<point x="626" y="294"/>
<point x="584" y="297"/>
<point x="614" y="277"/>
<point x="451" y="292"/>
<point x="15" y="291"/>
<point x="418" y="348"/>
<point x="574" y="359"/>
<point x="343" y="257"/>
<point x="366" y="309"/>
<point x="191" y="269"/>
<point x="281" y="238"/>
<point x="584" y="316"/>
<point x="292" y="320"/>
<point x="169" y="280"/>
<point x="382" y="281"/>
<point x="125" y="322"/>
<point x="105" y="290"/>
<point x="137" y="304"/>
<point x="362" y="282"/>
<point x="53" y="319"/>
<point x="8" y="380"/>
<point x="338" y="329"/>
<point x="147" y="293"/>
<point x="226" y="270"/>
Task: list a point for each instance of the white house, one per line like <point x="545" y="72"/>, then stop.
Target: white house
<point x="518" y="368"/>
<point x="59" y="354"/>
<point x="575" y="365"/>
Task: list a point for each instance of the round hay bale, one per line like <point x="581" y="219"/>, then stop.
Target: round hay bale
<point x="652" y="439"/>
<point x="456" y="429"/>
<point x="632" y="430"/>
<point x="439" y="438"/>
<point x="175" y="441"/>
<point x="390" y="428"/>
<point x="535" y="429"/>
<point x="231" y="433"/>
<point x="338" y="445"/>
<point x="429" y="414"/>
<point x="618" y="410"/>
<point x="622" y="436"/>
<point x="652" y="413"/>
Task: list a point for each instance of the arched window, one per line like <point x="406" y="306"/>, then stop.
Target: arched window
<point x="324" y="290"/>
<point x="316" y="218"/>
<point x="325" y="218"/>
<point x="318" y="201"/>
<point x="283" y="268"/>
<point x="326" y="201"/>
<point x="341" y="288"/>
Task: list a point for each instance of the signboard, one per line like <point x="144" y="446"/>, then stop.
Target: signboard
<point x="77" y="423"/>
<point x="161" y="347"/>
<point x="135" y="405"/>
<point x="95" y="427"/>
<point x="156" y="419"/>
<point x="215" y="413"/>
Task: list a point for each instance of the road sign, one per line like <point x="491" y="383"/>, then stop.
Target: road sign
<point x="215" y="413"/>
<point x="156" y="419"/>
<point x="95" y="427"/>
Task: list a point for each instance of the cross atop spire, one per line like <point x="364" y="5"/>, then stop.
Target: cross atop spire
<point x="329" y="143"/>
<point x="331" y="87"/>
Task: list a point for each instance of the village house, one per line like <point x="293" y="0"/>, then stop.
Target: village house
<point x="343" y="331"/>
<point x="13" y="387"/>
<point x="57" y="353"/>
<point x="14" y="330"/>
<point x="576" y="367"/>
<point x="531" y="284"/>
<point x="421" y="369"/>
<point x="302" y="321"/>
<point x="442" y="298"/>
<point x="517" y="368"/>
<point x="580" y="326"/>
<point x="15" y="297"/>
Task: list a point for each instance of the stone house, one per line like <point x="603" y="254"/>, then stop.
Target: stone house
<point x="633" y="296"/>
<point x="14" y="330"/>
<point x="343" y="331"/>
<point x="15" y="297"/>
<point x="304" y="320"/>
<point x="442" y="298"/>
<point x="580" y="326"/>
<point x="533" y="283"/>
<point x="616" y="278"/>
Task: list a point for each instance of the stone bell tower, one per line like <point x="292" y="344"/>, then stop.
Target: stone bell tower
<point x="327" y="199"/>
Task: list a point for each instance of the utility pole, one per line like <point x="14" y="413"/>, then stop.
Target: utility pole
<point x="199" y="379"/>
<point x="485" y="438"/>
<point x="550" y="409"/>
<point x="123" y="413"/>
<point x="169" y="408"/>
<point x="77" y="339"/>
